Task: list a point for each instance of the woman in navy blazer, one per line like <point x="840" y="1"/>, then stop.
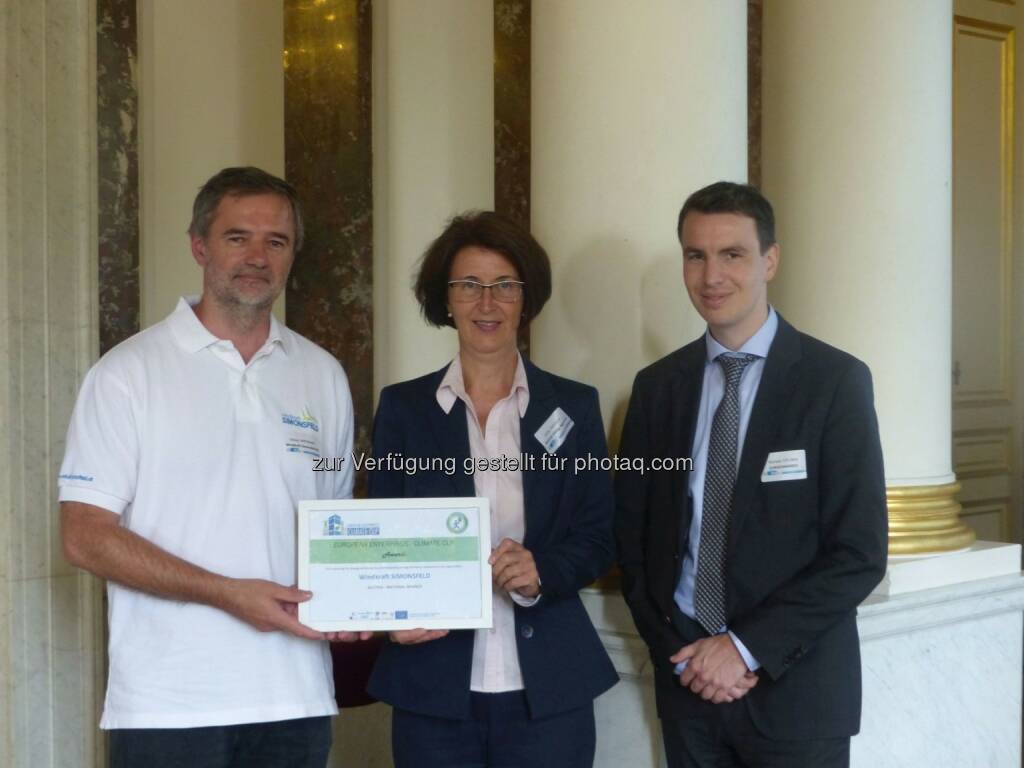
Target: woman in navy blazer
<point x="520" y="694"/>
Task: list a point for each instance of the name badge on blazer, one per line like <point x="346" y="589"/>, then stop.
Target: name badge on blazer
<point x="785" y="465"/>
<point x="553" y="431"/>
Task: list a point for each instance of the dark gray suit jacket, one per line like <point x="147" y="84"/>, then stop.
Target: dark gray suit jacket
<point x="802" y="554"/>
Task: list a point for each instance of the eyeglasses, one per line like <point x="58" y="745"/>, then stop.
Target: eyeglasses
<point x="471" y="290"/>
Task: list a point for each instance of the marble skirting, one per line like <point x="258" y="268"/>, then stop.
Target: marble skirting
<point x="942" y="677"/>
<point x="942" y="674"/>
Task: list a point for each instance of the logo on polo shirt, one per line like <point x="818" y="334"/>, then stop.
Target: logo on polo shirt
<point x="305" y="421"/>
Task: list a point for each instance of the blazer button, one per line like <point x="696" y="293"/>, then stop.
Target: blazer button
<point x="526" y="631"/>
<point x="668" y="619"/>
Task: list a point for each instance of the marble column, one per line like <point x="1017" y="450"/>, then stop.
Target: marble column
<point x="635" y="106"/>
<point x="50" y="643"/>
<point x="619" y="141"/>
<point x="857" y="157"/>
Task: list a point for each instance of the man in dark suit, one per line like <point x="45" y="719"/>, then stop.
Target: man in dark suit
<point x="744" y="571"/>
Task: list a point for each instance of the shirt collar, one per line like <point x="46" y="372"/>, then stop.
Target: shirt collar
<point x="758" y="344"/>
<point x="277" y="337"/>
<point x="193" y="336"/>
<point x="453" y="387"/>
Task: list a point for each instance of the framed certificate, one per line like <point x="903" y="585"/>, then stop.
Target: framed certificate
<point x="383" y="564"/>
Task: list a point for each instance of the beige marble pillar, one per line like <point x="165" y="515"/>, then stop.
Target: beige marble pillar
<point x="433" y="125"/>
<point x="635" y="106"/>
<point x="857" y="157"/>
<point x="50" y="641"/>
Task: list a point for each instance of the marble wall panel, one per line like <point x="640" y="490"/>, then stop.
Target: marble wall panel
<point x="328" y="158"/>
<point x="512" y="117"/>
<point x="117" y="171"/>
<point x="512" y="109"/>
<point x="755" y="11"/>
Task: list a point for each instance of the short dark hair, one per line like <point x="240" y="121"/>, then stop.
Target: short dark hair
<point x="730" y="197"/>
<point x="483" y="229"/>
<point x="242" y="182"/>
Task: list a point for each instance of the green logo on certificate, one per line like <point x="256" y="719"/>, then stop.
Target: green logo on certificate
<point x="457" y="522"/>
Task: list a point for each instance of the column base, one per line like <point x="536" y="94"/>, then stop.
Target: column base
<point x="982" y="560"/>
<point x="924" y="519"/>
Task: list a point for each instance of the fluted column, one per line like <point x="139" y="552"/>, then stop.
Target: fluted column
<point x="857" y="157"/>
<point x="50" y="641"/>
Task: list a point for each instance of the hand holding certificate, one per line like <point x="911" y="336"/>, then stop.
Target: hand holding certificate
<point x="388" y="564"/>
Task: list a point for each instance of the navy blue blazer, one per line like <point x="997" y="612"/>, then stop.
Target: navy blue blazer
<point x="568" y="531"/>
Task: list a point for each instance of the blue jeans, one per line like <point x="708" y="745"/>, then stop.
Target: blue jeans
<point x="302" y="743"/>
<point x="498" y="734"/>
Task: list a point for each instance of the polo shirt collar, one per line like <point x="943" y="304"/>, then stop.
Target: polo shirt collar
<point x="193" y="336"/>
<point x="278" y="337"/>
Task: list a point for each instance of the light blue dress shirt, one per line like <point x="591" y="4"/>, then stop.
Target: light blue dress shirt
<point x="710" y="396"/>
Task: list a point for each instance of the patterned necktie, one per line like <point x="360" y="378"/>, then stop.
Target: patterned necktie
<point x="719" y="479"/>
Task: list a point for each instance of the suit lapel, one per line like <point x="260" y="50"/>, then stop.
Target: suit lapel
<point x="685" y="391"/>
<point x="777" y="383"/>
<point x="538" y="485"/>
<point x="452" y="434"/>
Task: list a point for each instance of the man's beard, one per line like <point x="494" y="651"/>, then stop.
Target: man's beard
<point x="240" y="302"/>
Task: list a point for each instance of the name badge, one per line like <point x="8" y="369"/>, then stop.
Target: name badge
<point x="785" y="465"/>
<point x="552" y="433"/>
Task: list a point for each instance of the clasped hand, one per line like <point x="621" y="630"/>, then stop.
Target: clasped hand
<point x="715" y="671"/>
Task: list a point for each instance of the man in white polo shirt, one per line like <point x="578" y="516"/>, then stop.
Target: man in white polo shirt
<point x="190" y="445"/>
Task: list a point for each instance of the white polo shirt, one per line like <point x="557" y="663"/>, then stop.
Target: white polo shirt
<point x="207" y="457"/>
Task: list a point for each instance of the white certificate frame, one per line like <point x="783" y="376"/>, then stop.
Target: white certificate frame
<point x="313" y="526"/>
